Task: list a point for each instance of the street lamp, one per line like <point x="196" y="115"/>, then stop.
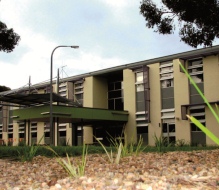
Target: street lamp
<point x="52" y="142"/>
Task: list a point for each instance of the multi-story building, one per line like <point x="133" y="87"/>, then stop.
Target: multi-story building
<point x="146" y="98"/>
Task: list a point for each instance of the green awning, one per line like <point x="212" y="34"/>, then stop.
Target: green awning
<point x="69" y="114"/>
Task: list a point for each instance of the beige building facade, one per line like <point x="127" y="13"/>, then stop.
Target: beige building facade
<point x="156" y="93"/>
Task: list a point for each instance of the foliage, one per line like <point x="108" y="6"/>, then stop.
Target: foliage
<point x="161" y="142"/>
<point x="4" y="88"/>
<point x="181" y="143"/>
<point x="64" y="142"/>
<point x="72" y="169"/>
<point x="12" y="151"/>
<point x="197" y="20"/>
<point x="195" y="121"/>
<point x="22" y="142"/>
<point x="8" y="38"/>
<point x="127" y="149"/>
<point x="27" y="153"/>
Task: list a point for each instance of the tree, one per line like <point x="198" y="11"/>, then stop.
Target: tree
<point x="4" y="88"/>
<point x="198" y="19"/>
<point x="8" y="38"/>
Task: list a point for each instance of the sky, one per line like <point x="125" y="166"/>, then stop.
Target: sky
<point x="108" y="32"/>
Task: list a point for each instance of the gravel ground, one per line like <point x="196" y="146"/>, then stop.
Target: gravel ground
<point x="148" y="171"/>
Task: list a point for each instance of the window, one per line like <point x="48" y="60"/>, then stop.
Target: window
<point x="115" y="95"/>
<point x="167" y="83"/>
<point x="33" y="127"/>
<point x="142" y="96"/>
<point x="62" y="133"/>
<point x="168" y="130"/>
<point x="166" y="74"/>
<point x="10" y="129"/>
<point x="79" y="91"/>
<point x="139" y="77"/>
<point x="46" y="127"/>
<point x="195" y="69"/>
<point x="199" y="113"/>
<point x="168" y="113"/>
<point x="63" y="90"/>
<point x="139" y="81"/>
<point x="142" y="119"/>
<point x="21" y="127"/>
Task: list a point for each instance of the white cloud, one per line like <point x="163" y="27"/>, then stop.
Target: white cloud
<point x="122" y="9"/>
<point x="86" y="62"/>
<point x="119" y="3"/>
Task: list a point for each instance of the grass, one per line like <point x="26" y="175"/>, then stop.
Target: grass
<point x="161" y="142"/>
<point x="122" y="148"/>
<point x="127" y="149"/>
<point x="27" y="153"/>
<point x="73" y="169"/>
<point x="110" y="154"/>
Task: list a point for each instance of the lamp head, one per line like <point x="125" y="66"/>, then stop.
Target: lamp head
<point x="75" y="47"/>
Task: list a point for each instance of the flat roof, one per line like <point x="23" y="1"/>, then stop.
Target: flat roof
<point x="35" y="99"/>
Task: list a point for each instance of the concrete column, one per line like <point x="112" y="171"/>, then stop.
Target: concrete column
<point x="68" y="134"/>
<point x="130" y="105"/>
<point x="40" y="132"/>
<point x="88" y="134"/>
<point x="154" y="126"/>
<point x="15" y="134"/>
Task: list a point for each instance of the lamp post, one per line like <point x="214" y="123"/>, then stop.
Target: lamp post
<point x="52" y="142"/>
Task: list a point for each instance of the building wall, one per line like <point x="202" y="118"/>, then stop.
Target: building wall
<point x="95" y="96"/>
<point x="129" y="104"/>
<point x="95" y="92"/>
<point x="100" y="89"/>
<point x="88" y="92"/>
<point x="181" y="93"/>
<point x="155" y="103"/>
<point x="211" y="78"/>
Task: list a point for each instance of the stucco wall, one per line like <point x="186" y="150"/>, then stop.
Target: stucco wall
<point x="181" y="93"/>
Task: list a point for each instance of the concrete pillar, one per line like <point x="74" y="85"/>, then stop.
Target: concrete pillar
<point x="129" y="104"/>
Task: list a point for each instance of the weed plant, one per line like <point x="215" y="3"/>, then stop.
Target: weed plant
<point x="110" y="154"/>
<point x="127" y="149"/>
<point x="161" y="142"/>
<point x="27" y="153"/>
<point x="73" y="170"/>
<point x="122" y="148"/>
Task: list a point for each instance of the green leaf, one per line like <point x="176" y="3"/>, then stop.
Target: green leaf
<point x="204" y="129"/>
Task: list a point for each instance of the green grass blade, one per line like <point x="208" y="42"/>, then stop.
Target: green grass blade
<point x="204" y="129"/>
<point x="118" y="156"/>
<point x="110" y="156"/>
